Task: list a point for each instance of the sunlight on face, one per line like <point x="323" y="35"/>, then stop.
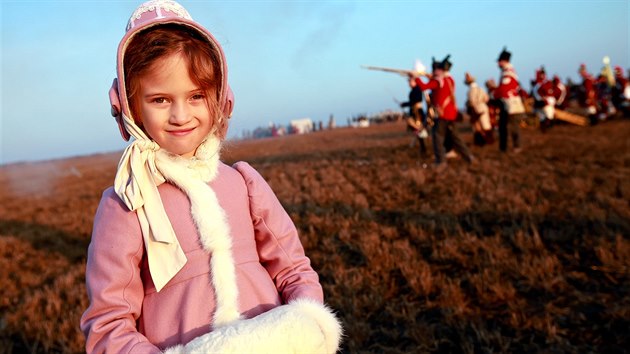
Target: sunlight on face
<point x="174" y="109"/>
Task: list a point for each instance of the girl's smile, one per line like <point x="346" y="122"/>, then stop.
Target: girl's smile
<point x="180" y="132"/>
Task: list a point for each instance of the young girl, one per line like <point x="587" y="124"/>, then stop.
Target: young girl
<point x="187" y="253"/>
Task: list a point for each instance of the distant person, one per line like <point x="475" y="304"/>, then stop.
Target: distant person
<point x="544" y="100"/>
<point x="331" y="122"/>
<point x="431" y="116"/>
<point x="621" y="92"/>
<point x="477" y="109"/>
<point x="416" y="121"/>
<point x="603" y="90"/>
<point x="512" y="111"/>
<point x="588" y="97"/>
<point x="442" y="88"/>
<point x="187" y="253"/>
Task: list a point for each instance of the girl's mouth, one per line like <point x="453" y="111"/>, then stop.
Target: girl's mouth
<point x="180" y="132"/>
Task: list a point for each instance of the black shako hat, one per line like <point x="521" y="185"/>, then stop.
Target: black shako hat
<point x="504" y="55"/>
<point x="446" y="64"/>
<point x="434" y="64"/>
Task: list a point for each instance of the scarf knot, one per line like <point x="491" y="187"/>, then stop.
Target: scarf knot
<point x="147" y="145"/>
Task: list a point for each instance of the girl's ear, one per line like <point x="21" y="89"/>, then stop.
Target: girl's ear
<point x="114" y="99"/>
<point x="228" y="104"/>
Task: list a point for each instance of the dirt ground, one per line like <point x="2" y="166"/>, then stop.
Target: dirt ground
<point x="524" y="252"/>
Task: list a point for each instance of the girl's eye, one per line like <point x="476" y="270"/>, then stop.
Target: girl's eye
<point x="159" y="100"/>
<point x="198" y="96"/>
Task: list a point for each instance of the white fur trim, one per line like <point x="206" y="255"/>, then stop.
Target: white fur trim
<point x="326" y="319"/>
<point x="302" y="326"/>
<point x="178" y="349"/>
<point x="214" y="235"/>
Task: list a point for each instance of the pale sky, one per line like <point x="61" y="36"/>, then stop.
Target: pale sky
<point x="286" y="59"/>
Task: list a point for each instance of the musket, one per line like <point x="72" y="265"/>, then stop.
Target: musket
<point x="419" y="69"/>
<point x="390" y="70"/>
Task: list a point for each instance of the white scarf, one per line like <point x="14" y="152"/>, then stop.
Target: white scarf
<point x="142" y="168"/>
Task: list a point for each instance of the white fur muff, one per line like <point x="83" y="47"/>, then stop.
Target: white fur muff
<point x="302" y="326"/>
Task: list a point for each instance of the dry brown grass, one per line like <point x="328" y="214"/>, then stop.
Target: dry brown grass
<point x="521" y="253"/>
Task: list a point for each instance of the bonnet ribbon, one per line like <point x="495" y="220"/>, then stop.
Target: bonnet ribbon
<point x="136" y="184"/>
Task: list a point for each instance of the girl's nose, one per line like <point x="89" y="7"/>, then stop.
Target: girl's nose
<point x="180" y="114"/>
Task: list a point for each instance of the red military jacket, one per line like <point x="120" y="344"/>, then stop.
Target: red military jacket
<point x="442" y="95"/>
<point x="508" y="85"/>
<point x="589" y="90"/>
<point x="543" y="89"/>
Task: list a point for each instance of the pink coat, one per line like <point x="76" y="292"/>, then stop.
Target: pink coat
<point x="127" y="315"/>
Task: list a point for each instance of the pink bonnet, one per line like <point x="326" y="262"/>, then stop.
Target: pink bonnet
<point x="149" y="14"/>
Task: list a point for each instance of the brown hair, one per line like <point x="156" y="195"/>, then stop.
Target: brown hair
<point x="149" y="46"/>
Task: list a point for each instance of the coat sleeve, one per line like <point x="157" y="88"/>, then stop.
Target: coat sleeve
<point x="113" y="282"/>
<point x="278" y="245"/>
<point x="430" y="85"/>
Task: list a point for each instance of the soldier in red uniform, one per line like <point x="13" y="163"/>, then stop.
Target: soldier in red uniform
<point x="513" y="111"/>
<point x="588" y="98"/>
<point x="442" y="88"/>
<point x="621" y="92"/>
<point x="544" y="99"/>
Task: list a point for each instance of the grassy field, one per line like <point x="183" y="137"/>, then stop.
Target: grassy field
<point x="524" y="252"/>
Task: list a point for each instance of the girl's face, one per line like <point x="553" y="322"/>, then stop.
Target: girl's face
<point x="174" y="110"/>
